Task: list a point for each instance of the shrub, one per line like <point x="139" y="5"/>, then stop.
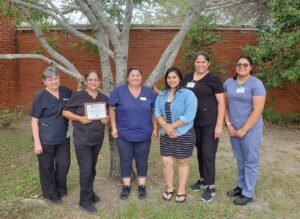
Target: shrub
<point x="8" y="117"/>
<point x="293" y="118"/>
<point x="273" y="117"/>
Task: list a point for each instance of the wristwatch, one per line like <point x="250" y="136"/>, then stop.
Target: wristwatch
<point x="227" y="123"/>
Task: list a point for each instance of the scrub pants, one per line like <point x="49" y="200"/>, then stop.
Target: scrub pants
<point x="54" y="165"/>
<point x="133" y="150"/>
<point x="87" y="157"/>
<point x="246" y="151"/>
<point x="207" y="147"/>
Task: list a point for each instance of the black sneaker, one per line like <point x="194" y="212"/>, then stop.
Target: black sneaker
<point x="209" y="194"/>
<point x="142" y="192"/>
<point x="125" y="192"/>
<point x="198" y="185"/>
<point x="242" y="200"/>
<point x="88" y="207"/>
<point x="235" y="192"/>
<point x="95" y="199"/>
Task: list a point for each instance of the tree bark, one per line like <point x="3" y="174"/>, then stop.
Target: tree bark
<point x="114" y="170"/>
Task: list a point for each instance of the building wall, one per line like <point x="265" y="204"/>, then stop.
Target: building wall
<point x="145" y="48"/>
<point x="9" y="74"/>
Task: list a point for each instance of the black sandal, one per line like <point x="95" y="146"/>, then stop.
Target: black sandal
<point x="167" y="194"/>
<point x="179" y="196"/>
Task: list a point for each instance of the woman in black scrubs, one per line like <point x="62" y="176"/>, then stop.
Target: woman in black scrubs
<point x="51" y="141"/>
<point x="208" y="123"/>
<point x="88" y="137"/>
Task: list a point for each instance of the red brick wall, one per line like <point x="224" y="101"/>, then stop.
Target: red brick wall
<point x="286" y="99"/>
<point x="9" y="74"/>
<point x="145" y="48"/>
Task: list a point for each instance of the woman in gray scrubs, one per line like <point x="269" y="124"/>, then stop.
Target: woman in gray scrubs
<point x="245" y="103"/>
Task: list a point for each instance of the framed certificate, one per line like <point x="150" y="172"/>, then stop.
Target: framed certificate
<point x="95" y="111"/>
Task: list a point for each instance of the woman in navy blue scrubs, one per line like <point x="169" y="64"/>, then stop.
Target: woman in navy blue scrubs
<point x="88" y="137"/>
<point x="130" y="110"/>
<point x="51" y="139"/>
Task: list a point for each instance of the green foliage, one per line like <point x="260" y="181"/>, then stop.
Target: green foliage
<point x="8" y="117"/>
<point x="168" y="12"/>
<point x="273" y="117"/>
<point x="201" y="36"/>
<point x="90" y="48"/>
<point x="72" y="45"/>
<point x="294" y="118"/>
<point x="277" y="54"/>
<point x="53" y="41"/>
<point x="8" y="10"/>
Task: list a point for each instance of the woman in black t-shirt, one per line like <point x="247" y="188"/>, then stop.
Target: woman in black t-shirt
<point x="50" y="136"/>
<point x="88" y="137"/>
<point x="209" y="120"/>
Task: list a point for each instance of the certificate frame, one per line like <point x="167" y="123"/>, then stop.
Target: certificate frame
<point x="95" y="110"/>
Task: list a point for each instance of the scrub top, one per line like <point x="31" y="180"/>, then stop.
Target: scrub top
<point x="133" y="114"/>
<point x="47" y="109"/>
<point x="90" y="134"/>
<point x="205" y="90"/>
<point x="240" y="100"/>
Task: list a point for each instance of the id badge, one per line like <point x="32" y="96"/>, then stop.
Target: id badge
<point x="143" y="98"/>
<point x="240" y="90"/>
<point x="190" y="84"/>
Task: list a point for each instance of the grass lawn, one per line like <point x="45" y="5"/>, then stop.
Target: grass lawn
<point x="277" y="192"/>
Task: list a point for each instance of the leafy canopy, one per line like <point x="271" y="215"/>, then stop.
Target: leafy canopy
<point x="277" y="54"/>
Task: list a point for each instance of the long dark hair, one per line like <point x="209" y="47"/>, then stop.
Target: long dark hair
<point x="249" y="60"/>
<point x="178" y="73"/>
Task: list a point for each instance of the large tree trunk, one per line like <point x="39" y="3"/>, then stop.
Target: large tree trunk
<point x="114" y="156"/>
<point x="121" y="68"/>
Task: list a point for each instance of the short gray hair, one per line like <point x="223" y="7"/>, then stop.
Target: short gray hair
<point x="49" y="72"/>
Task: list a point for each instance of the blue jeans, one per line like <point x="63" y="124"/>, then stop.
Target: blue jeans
<point x="134" y="150"/>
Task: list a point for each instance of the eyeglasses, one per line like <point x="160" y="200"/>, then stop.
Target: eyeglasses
<point x="245" y="65"/>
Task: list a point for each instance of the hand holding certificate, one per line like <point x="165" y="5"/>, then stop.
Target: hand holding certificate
<point x="95" y="111"/>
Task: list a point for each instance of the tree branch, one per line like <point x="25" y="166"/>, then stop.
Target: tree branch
<point x="127" y="22"/>
<point x="171" y="51"/>
<point x="43" y="58"/>
<point x="226" y="4"/>
<point x="101" y="45"/>
<point x="111" y="29"/>
<point x="64" y="24"/>
<point x="41" y="38"/>
<point x="71" y="9"/>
